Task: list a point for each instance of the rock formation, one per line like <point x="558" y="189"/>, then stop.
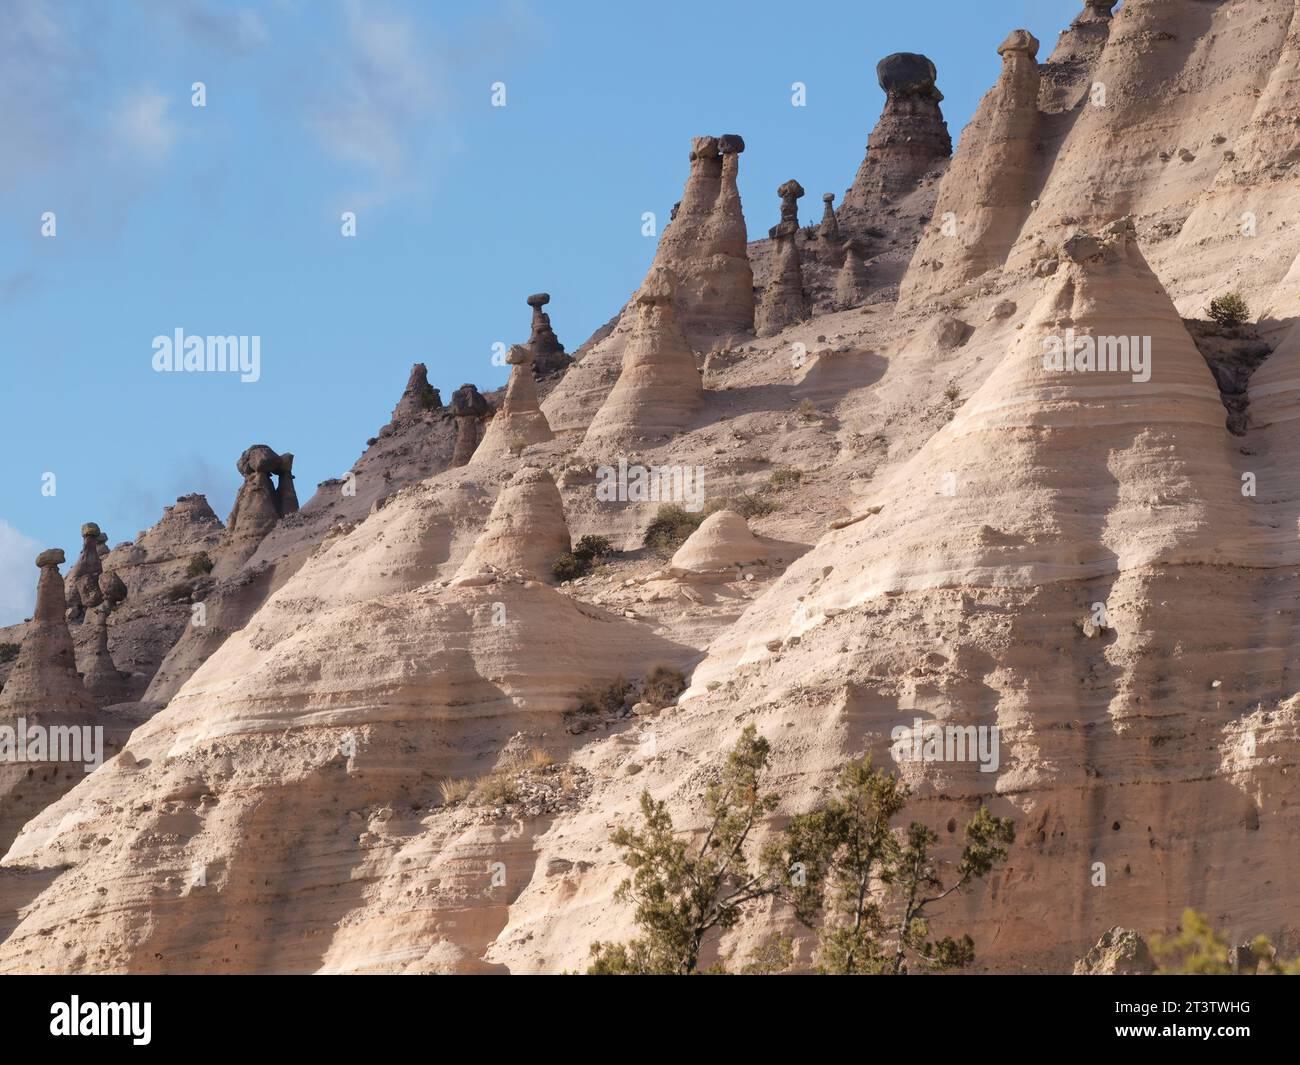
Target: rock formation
<point x="419" y="396"/>
<point x="659" y="390"/>
<point x="103" y="682"/>
<point x="829" y="231"/>
<point x="988" y="191"/>
<point x="1119" y="952"/>
<point x="45" y="677"/>
<point x="260" y="503"/>
<point x="82" y="582"/>
<point x="470" y="410"/>
<point x="526" y="532"/>
<point x="705" y="244"/>
<point x="548" y="352"/>
<point x="519" y="421"/>
<point x="722" y="546"/>
<point x="851" y="283"/>
<point x="1067" y="76"/>
<point x="784" y="300"/>
<point x="910" y="138"/>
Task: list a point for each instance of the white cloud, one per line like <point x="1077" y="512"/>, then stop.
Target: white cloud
<point x="383" y="92"/>
<point x="17" y="574"/>
<point x="139" y="126"/>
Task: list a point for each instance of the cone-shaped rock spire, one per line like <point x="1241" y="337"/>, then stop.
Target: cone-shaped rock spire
<point x="519" y="422"/>
<point x="659" y="390"/>
<point x="526" y="531"/>
<point x="419" y="396"/>
<point x="705" y="245"/>
<point x="104" y="683"/>
<point x="910" y="137"/>
<point x="44" y="676"/>
<point x="784" y="300"/>
<point x="548" y="352"/>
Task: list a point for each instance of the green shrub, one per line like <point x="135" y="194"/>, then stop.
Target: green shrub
<point x="568" y="567"/>
<point x="590" y="548"/>
<point x="200" y="565"/>
<point x="663" y="684"/>
<point x="747" y="505"/>
<point x="786" y="477"/>
<point x="1229" y="311"/>
<point x="670" y="528"/>
<point x="8" y="652"/>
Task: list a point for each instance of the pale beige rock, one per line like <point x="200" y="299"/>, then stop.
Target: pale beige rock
<point x="722" y="545"/>
<point x="526" y="532"/>
<point x="519" y="422"/>
<point x="659" y="390"/>
<point x="704" y="245"/>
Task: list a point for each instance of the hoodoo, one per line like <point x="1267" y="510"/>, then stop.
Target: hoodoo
<point x="548" y="353"/>
<point x="705" y="244"/>
<point x="851" y="282"/>
<point x="910" y="139"/>
<point x="260" y="503"/>
<point x="988" y="191"/>
<point x="470" y="410"/>
<point x="82" y="582"/>
<point x="784" y="299"/>
<point x="526" y="531"/>
<point x="103" y="681"/>
<point x="45" y="674"/>
<point x="659" y="390"/>
<point x="519" y="423"/>
<point x="419" y="396"/>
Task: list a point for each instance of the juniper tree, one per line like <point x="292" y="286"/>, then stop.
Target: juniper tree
<point x="875" y="883"/>
<point x="683" y="890"/>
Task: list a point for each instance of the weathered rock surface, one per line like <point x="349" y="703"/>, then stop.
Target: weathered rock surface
<point x="548" y="353"/>
<point x="519" y="422"/>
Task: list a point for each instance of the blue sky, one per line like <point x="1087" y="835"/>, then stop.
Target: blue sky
<point x="226" y="219"/>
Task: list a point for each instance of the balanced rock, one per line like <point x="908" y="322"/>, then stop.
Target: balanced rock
<point x="525" y="533"/>
<point x="82" y="583"/>
<point x="112" y="588"/>
<point x="261" y="502"/>
<point x="706" y="244"/>
<point x="830" y="228"/>
<point x="548" y="352"/>
<point x="519" y="423"/>
<point x="910" y="138"/>
<point x="659" y="390"/>
<point x="784" y="300"/>
<point x="419" y="396"/>
<point x="990" y="186"/>
<point x="470" y="409"/>
<point x="44" y="676"/>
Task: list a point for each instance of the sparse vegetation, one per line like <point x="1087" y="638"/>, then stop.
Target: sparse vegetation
<point x="1199" y="950"/>
<point x="671" y="526"/>
<point x="179" y="592"/>
<point x="786" y="477"/>
<point x="200" y="565"/>
<point x="568" y="567"/>
<point x="495" y="789"/>
<point x="748" y="505"/>
<point x="807" y="410"/>
<point x="952" y="393"/>
<point x="1229" y="310"/>
<point x="453" y="791"/>
<point x="663" y="684"/>
<point x="8" y="652"/>
<point x="869" y="883"/>
<point x="604" y="698"/>
<point x="585" y="554"/>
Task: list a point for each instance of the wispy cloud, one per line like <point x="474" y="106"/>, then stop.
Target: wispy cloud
<point x="237" y="31"/>
<point x="139" y="127"/>
<point x="384" y="89"/>
<point x="17" y="574"/>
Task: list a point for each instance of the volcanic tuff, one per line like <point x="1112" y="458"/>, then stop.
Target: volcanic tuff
<point x="392" y="696"/>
